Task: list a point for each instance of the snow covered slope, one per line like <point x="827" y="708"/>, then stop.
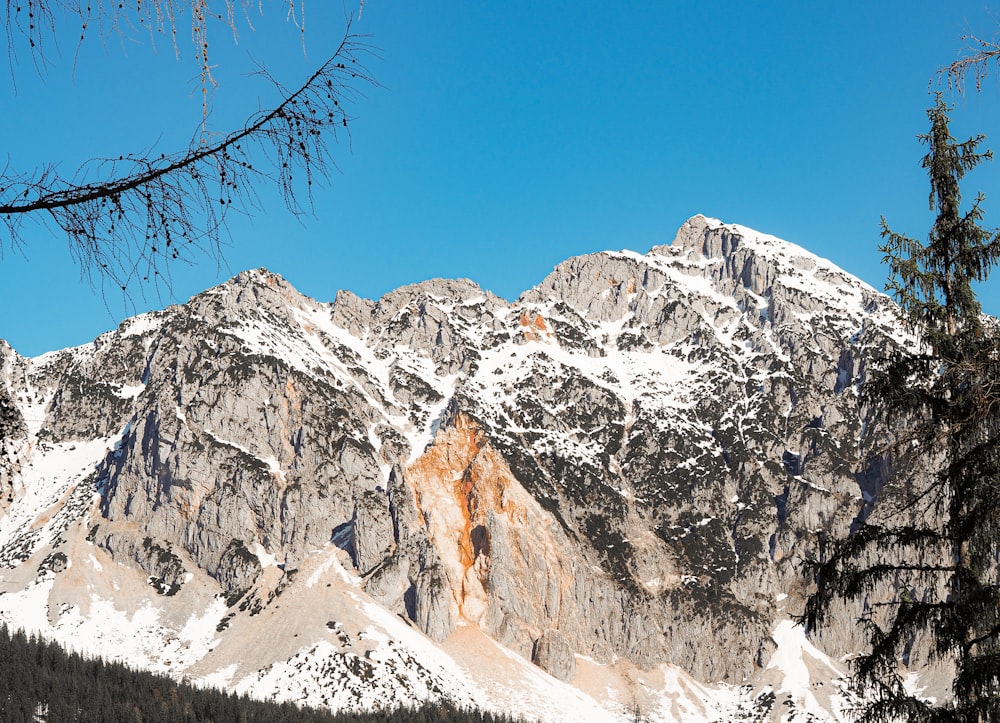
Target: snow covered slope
<point x="580" y="504"/>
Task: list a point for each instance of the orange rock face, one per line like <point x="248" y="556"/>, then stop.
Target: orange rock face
<point x="533" y="324"/>
<point x="458" y="481"/>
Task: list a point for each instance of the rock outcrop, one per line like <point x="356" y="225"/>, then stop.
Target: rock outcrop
<point x="627" y="463"/>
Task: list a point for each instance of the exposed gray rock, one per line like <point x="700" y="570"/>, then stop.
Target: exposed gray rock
<point x="157" y="558"/>
<point x="238" y="568"/>
<point x="13" y="430"/>
<point x="432" y="604"/>
<point x="372" y="531"/>
<point x="390" y="583"/>
<point x="554" y="655"/>
<point x="628" y="462"/>
<point x="12" y="448"/>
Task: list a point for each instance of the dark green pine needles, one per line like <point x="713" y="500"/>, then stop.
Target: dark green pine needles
<point x="41" y="681"/>
<point x="921" y="564"/>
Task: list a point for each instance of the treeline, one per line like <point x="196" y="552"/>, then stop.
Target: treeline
<point x="41" y="682"/>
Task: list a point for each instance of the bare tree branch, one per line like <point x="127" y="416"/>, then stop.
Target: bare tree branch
<point x="33" y="23"/>
<point x="975" y="59"/>
<point x="128" y="218"/>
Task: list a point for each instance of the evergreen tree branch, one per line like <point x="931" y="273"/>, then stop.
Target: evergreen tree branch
<point x="931" y="579"/>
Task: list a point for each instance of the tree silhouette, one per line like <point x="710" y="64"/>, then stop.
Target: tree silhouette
<point x="926" y="570"/>
<point x="127" y="218"/>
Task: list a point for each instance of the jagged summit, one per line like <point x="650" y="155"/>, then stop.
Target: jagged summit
<point x="590" y="499"/>
<point x="259" y="275"/>
<point x="716" y="239"/>
<point x="757" y="260"/>
<point x="442" y="290"/>
<point x="721" y="269"/>
<point x="252" y="281"/>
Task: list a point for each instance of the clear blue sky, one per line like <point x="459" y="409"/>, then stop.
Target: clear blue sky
<point x="509" y="136"/>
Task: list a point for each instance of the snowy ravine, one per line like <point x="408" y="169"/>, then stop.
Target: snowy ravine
<point x="580" y="505"/>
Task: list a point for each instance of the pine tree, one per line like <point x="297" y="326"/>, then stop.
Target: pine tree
<point x="933" y="538"/>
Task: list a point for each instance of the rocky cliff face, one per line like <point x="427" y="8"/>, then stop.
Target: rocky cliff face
<point x="13" y="430"/>
<point x="622" y="468"/>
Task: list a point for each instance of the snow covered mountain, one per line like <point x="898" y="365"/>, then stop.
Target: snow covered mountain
<point x="587" y="502"/>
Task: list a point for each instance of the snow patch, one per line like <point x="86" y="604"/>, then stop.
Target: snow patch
<point x="799" y="664"/>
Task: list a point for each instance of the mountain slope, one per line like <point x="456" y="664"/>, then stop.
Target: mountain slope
<point x="361" y="503"/>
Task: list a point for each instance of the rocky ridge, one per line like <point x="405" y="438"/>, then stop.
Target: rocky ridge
<point x="617" y="472"/>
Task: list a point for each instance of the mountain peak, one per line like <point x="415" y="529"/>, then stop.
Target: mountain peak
<point x="692" y="234"/>
<point x="259" y="277"/>
<point x="441" y="290"/>
<point x="618" y="475"/>
<point x="252" y="291"/>
<point x="716" y="239"/>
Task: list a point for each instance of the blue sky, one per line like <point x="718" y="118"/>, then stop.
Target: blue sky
<point x="507" y="137"/>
